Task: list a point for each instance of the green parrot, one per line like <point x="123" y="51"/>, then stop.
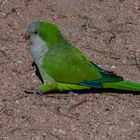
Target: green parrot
<point x="63" y="67"/>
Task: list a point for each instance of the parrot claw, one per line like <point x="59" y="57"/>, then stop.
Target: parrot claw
<point x="69" y="94"/>
<point x="35" y="91"/>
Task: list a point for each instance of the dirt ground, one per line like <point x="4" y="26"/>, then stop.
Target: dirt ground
<point x="107" y="32"/>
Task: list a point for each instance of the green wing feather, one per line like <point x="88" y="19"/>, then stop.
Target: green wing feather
<point x="66" y="64"/>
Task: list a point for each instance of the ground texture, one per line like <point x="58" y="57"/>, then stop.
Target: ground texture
<point x="107" y="32"/>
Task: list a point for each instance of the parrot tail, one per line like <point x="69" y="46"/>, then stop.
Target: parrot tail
<point x="122" y="85"/>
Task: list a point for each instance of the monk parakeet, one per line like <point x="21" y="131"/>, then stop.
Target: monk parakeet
<point x="63" y="67"/>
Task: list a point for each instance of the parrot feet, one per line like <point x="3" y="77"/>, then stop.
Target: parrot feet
<point x="69" y="95"/>
<point x="35" y="91"/>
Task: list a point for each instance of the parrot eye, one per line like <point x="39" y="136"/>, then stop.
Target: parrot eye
<point x="35" y="32"/>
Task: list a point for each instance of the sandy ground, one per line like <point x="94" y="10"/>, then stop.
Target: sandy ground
<point x="107" y="32"/>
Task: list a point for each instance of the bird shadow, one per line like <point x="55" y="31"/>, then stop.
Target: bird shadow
<point x="87" y="91"/>
<point x="37" y="72"/>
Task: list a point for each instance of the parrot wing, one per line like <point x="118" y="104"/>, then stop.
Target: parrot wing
<point x="68" y="65"/>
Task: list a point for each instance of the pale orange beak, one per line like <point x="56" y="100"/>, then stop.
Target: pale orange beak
<point x="27" y="35"/>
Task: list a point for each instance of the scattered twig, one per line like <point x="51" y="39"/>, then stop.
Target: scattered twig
<point x="110" y="54"/>
<point x="16" y="128"/>
<point x="3" y="109"/>
<point x="137" y="58"/>
<point x="28" y="70"/>
<point x="16" y="71"/>
<point x="112" y="37"/>
<point x="62" y="114"/>
<point x="76" y="105"/>
<point x="56" y="136"/>
<point x="3" y="53"/>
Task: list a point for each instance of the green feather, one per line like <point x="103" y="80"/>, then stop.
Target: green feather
<point x="50" y="34"/>
<point x="123" y="85"/>
<point x="66" y="64"/>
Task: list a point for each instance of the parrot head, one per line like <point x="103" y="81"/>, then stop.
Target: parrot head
<point x="46" y="31"/>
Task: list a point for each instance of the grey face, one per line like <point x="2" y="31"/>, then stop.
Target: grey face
<point x="38" y="46"/>
<point x="32" y="30"/>
<point x="33" y="27"/>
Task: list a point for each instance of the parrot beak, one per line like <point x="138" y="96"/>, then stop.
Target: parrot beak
<point x="27" y="35"/>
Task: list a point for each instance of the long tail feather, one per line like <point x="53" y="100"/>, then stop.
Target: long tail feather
<point x="122" y="85"/>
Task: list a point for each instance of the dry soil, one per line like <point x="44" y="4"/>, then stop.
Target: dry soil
<point x="108" y="33"/>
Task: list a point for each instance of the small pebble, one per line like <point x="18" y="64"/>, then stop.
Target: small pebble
<point x="132" y="123"/>
<point x="33" y="74"/>
<point x="4" y="14"/>
<point x="19" y="61"/>
<point x="62" y="131"/>
<point x="113" y="67"/>
<point x="124" y="61"/>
